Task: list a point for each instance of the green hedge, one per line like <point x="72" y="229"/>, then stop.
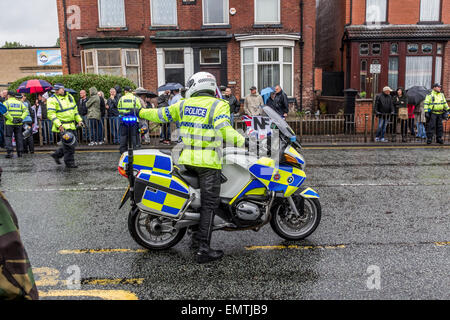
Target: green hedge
<point x="81" y="81"/>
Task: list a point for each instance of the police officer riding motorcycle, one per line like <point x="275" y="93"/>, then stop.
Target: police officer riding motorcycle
<point x="201" y="116"/>
<point x="213" y="186"/>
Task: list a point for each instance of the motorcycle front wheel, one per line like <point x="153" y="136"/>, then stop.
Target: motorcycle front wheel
<point x="289" y="226"/>
<point x="150" y="232"/>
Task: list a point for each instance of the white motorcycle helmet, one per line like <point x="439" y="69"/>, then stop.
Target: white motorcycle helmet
<point x="201" y="82"/>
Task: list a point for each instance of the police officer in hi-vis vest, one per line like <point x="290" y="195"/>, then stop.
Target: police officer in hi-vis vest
<point x="436" y="110"/>
<point x="128" y="103"/>
<point x="63" y="111"/>
<point x="17" y="112"/>
<point x="204" y="123"/>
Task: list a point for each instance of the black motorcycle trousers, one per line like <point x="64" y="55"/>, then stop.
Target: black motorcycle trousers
<point x="210" y="180"/>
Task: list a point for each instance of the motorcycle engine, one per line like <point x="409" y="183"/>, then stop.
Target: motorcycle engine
<point x="247" y="211"/>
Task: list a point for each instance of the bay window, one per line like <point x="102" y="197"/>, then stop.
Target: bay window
<point x="267" y="11"/>
<point x="215" y="12"/>
<point x="430" y="10"/>
<point x="117" y="62"/>
<point x="376" y="11"/>
<point x="164" y="12"/>
<point x="268" y="67"/>
<point x="111" y="13"/>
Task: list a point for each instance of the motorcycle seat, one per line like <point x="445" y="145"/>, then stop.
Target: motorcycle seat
<point x="190" y="177"/>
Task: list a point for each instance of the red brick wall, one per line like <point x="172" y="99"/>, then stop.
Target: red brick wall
<point x="446" y="71"/>
<point x="399" y="12"/>
<point x="190" y="18"/>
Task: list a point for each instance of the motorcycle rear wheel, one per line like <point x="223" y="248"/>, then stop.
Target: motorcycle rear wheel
<point x="143" y="229"/>
<point x="288" y="226"/>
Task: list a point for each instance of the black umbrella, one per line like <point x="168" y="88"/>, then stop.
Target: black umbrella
<point x="417" y="94"/>
<point x="170" y="86"/>
<point x="71" y="91"/>
<point x="151" y="94"/>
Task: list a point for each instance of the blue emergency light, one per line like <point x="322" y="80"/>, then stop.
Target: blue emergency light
<point x="129" y="119"/>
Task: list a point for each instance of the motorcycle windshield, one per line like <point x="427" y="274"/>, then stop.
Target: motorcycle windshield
<point x="281" y="124"/>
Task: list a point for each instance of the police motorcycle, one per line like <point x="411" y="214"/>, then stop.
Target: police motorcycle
<point x="255" y="191"/>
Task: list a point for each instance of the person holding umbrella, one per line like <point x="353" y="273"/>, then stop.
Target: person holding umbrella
<point x="63" y="112"/>
<point x="16" y="113"/>
<point x="436" y="110"/>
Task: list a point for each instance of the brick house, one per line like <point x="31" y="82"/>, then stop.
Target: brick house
<point x="243" y="43"/>
<point x="409" y="38"/>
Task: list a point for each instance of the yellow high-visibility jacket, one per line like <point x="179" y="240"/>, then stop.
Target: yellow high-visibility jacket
<point x="16" y="109"/>
<point x="204" y="124"/>
<point x="63" y="111"/>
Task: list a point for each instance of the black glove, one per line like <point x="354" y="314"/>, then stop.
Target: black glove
<point x="17" y="120"/>
<point x="136" y="111"/>
<point x="445" y="116"/>
<point x="428" y="115"/>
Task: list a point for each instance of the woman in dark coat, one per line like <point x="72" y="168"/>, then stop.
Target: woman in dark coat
<point x="401" y="102"/>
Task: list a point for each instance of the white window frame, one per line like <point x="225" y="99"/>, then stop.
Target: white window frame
<point x="161" y="63"/>
<point x="164" y="25"/>
<point x="385" y="14"/>
<point x="211" y="64"/>
<point x="257" y="63"/>
<point x="427" y="20"/>
<point x="100" y="16"/>
<point x="266" y="41"/>
<point x="123" y="62"/>
<point x="226" y="15"/>
<point x="268" y="22"/>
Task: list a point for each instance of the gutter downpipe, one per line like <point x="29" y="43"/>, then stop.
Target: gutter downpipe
<point x="66" y="32"/>
<point x="302" y="44"/>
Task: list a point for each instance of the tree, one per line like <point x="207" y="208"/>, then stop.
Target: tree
<point x="14" y="44"/>
<point x="57" y="43"/>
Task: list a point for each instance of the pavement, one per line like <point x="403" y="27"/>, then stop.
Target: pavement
<point x="384" y="233"/>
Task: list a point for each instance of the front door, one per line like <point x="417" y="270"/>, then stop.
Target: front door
<point x="368" y="82"/>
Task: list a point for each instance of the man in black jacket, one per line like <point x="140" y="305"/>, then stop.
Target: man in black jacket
<point x="281" y="102"/>
<point x="384" y="108"/>
<point x="235" y="106"/>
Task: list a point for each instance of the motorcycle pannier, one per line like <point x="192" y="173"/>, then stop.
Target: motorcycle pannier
<point x="160" y="193"/>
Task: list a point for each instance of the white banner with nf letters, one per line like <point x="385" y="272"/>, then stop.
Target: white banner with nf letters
<point x="259" y="127"/>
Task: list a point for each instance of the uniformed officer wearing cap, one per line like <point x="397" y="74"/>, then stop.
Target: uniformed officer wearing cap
<point x="436" y="110"/>
<point x="63" y="111"/>
<point x="17" y="112"/>
<point x="127" y="104"/>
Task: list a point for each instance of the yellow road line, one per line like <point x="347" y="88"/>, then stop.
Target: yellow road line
<point x="51" y="282"/>
<point x="102" y="294"/>
<point x="441" y="244"/>
<point x="252" y="248"/>
<point x="105" y="282"/>
<point x="102" y="251"/>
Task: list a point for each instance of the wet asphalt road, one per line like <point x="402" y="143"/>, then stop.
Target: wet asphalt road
<point x="383" y="209"/>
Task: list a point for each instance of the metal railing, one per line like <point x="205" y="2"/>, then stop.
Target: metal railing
<point x="321" y="129"/>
